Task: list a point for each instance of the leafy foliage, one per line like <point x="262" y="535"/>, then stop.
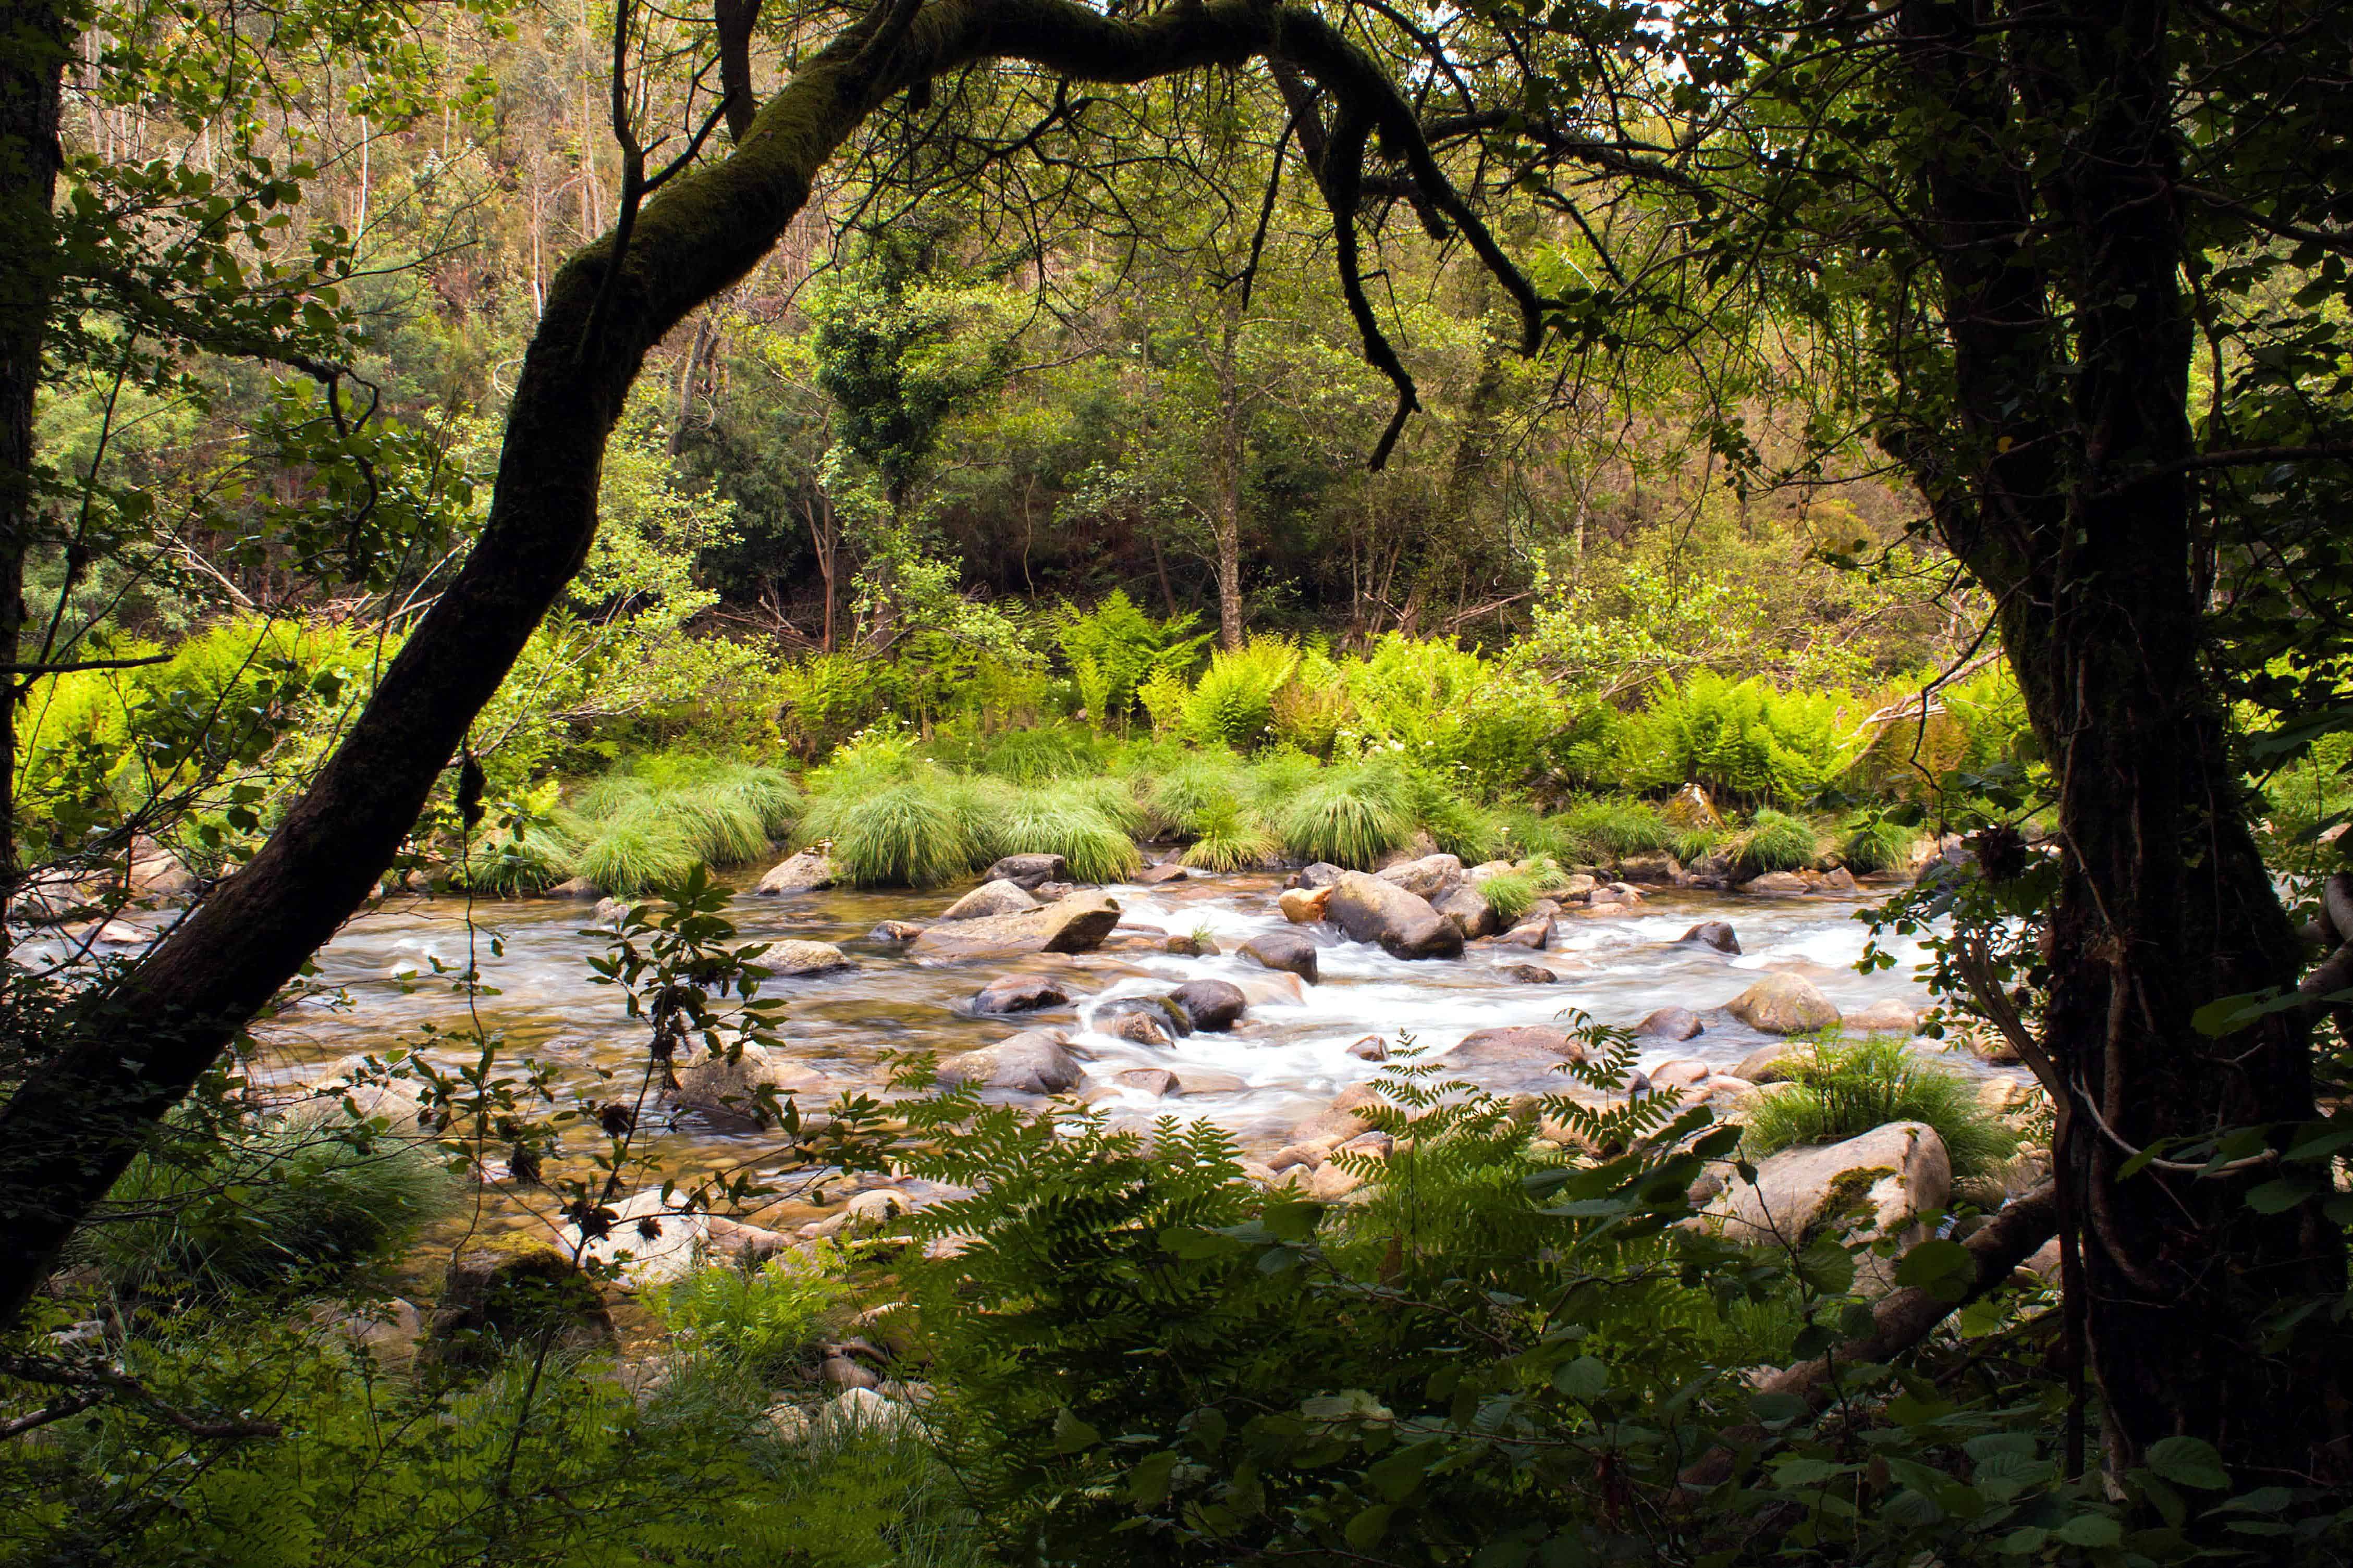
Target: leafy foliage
<point x="1841" y="1091"/>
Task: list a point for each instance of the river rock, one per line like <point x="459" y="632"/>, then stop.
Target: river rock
<point x="1577" y="887"/>
<point x="610" y="913"/>
<point x="1883" y="1016"/>
<point x="726" y="1094"/>
<point x="1769" y="1064"/>
<point x="1983" y="1041"/>
<point x="1270" y="988"/>
<point x="1077" y="924"/>
<point x="1714" y="935"/>
<point x="1650" y="865"/>
<point x="1000" y="896"/>
<point x="1286" y="951"/>
<point x="1028" y="871"/>
<point x="1171" y="1020"/>
<point x="1520" y="1048"/>
<point x="1157" y="1082"/>
<point x="156" y="873"/>
<point x="1684" y="1072"/>
<point x="1671" y="1024"/>
<point x="1167" y="871"/>
<point x="651" y="1241"/>
<point x="1879" y="1182"/>
<point x="1426" y="877"/>
<point x="1019" y="993"/>
<point x="375" y="1094"/>
<point x="494" y="1298"/>
<point x="1526" y="975"/>
<point x="1037" y="1061"/>
<point x="1372" y="910"/>
<point x="793" y="959"/>
<point x="1340" y="1121"/>
<point x="1784" y="1005"/>
<point x="1529" y="933"/>
<point x="1468" y="907"/>
<point x="1317" y="875"/>
<point x="389" y="1329"/>
<point x="1303" y="906"/>
<point x="1837" y="879"/>
<point x="896" y="930"/>
<point x="1778" y="882"/>
<point x="1135" y="1028"/>
<point x="1371" y="1048"/>
<point x="1214" y="1006"/>
<point x="806" y="873"/>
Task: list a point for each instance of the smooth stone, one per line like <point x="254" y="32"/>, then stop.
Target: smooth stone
<point x="575" y="887"/>
<point x="1371" y="909"/>
<point x="1136" y="1029"/>
<point x="1527" y="974"/>
<point x="1767" y="1064"/>
<point x="1428" y="877"/>
<point x="1079" y="923"/>
<point x="896" y="930"/>
<point x="1777" y="882"/>
<point x="1684" y="1072"/>
<point x="1036" y="1061"/>
<point x="1518" y="1045"/>
<point x="1468" y="907"/>
<point x="1158" y="1010"/>
<point x="1652" y="865"/>
<point x="1784" y="1005"/>
<point x="1028" y="871"/>
<point x="806" y="873"/>
<point x="726" y="1094"/>
<point x="1531" y="933"/>
<point x="1885" y="1014"/>
<point x="1190" y="946"/>
<point x="1371" y="1048"/>
<point x="990" y="898"/>
<point x="1270" y="989"/>
<point x="1880" y="1183"/>
<point x="1713" y="933"/>
<point x="1019" y="993"/>
<point x="1838" y="880"/>
<point x="1318" y="875"/>
<point x="1285" y="950"/>
<point x="841" y="1372"/>
<point x="1214" y="1006"/>
<point x="1303" y="906"/>
<point x="1197" y="1080"/>
<point x="1167" y="871"/>
<point x="1157" y="1082"/>
<point x="1339" y="1120"/>
<point x="792" y="958"/>
<point x="1671" y="1024"/>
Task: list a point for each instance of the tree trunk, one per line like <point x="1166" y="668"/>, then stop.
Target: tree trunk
<point x="32" y="72"/>
<point x="1226" y="516"/>
<point x="2076" y="511"/>
<point x="75" y="1122"/>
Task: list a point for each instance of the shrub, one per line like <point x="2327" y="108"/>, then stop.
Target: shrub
<point x="1879" y="844"/>
<point x="1509" y="893"/>
<point x="761" y="1320"/>
<point x="1607" y="829"/>
<point x="1741" y="739"/>
<point x="1233" y="702"/>
<point x="1349" y="816"/>
<point x="1842" y="1090"/>
<point x="908" y="834"/>
<point x="1773" y="841"/>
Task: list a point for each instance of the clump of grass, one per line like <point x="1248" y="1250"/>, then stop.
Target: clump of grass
<point x="1532" y="834"/>
<point x="1066" y="822"/>
<point x="613" y="795"/>
<point x="1192" y="794"/>
<point x="1112" y="797"/>
<point x="1230" y="839"/>
<point x="1510" y="893"/>
<point x="636" y="851"/>
<point x="723" y="828"/>
<point x="1608" y="829"/>
<point x="1349" y="816"/>
<point x="1774" y="841"/>
<point x="1459" y="827"/>
<point x="510" y="862"/>
<point x="908" y="834"/>
<point x="1879" y="844"/>
<point x="1693" y="844"/>
<point x="770" y="793"/>
<point x="298" y="1202"/>
<point x="1843" y="1090"/>
<point x="1040" y="756"/>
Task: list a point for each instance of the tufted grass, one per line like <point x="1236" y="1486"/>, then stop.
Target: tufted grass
<point x="1841" y="1090"/>
<point x="1066" y="821"/>
<point x="1510" y="893"/>
<point x="1605" y="829"/>
<point x="636" y="851"/>
<point x="515" y="862"/>
<point x="915" y="832"/>
<point x="1773" y="841"/>
<point x="1349" y="816"/>
<point x="1231" y="839"/>
<point x="1879" y="845"/>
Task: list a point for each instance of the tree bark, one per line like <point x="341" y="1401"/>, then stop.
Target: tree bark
<point x="75" y="1122"/>
<point x="2075" y="509"/>
<point x="1225" y="515"/>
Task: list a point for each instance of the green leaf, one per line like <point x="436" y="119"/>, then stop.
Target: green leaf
<point x="2188" y="1462"/>
<point x="1584" y="1378"/>
<point x="1071" y="1435"/>
<point x="1946" y="1270"/>
<point x="2090" y="1529"/>
<point x="2278" y="1196"/>
<point x="1366" y="1530"/>
<point x="1147" y="1483"/>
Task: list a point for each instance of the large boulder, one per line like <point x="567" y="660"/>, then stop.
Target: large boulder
<point x="1428" y="877"/>
<point x="1213" y="1005"/>
<point x="1286" y="951"/>
<point x="806" y="872"/>
<point x="1076" y="925"/>
<point x="496" y="1298"/>
<point x="1028" y="871"/>
<point x="1315" y="875"/>
<point x="1877" y="1184"/>
<point x="1885" y="1015"/>
<point x="1769" y="1064"/>
<point x="1468" y="907"/>
<point x="1537" y="932"/>
<point x="1671" y="1024"/>
<point x="1000" y="896"/>
<point x="727" y="1093"/>
<point x="1370" y="909"/>
<point x="1019" y="993"/>
<point x="1037" y="1061"/>
<point x="793" y="959"/>
<point x="1784" y="1005"/>
<point x="1714" y="935"/>
<point x="1302" y="906"/>
<point x="1781" y="883"/>
<point x="156" y="873"/>
<point x="1650" y="865"/>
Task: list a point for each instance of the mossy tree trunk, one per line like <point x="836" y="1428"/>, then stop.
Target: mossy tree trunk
<point x="80" y="1115"/>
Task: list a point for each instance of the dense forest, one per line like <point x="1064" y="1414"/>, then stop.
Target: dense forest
<point x="985" y="782"/>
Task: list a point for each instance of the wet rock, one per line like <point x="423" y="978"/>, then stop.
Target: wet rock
<point x="1286" y="951"/>
<point x="731" y="1095"/>
<point x="1469" y="910"/>
<point x="794" y="959"/>
<point x="1371" y="909"/>
<point x="1884" y="1015"/>
<point x="1426" y="877"/>
<point x="1371" y="1048"/>
<point x="1037" y="1061"/>
<point x="1321" y="874"/>
<point x="839" y="1371"/>
<point x="1684" y="1072"/>
<point x="1135" y="1028"/>
<point x="1526" y="1055"/>
<point x="156" y="873"/>
<point x="1783" y="883"/>
<point x="896" y="930"/>
<point x="1019" y="993"/>
<point x="647" y="1240"/>
<point x="1270" y="988"/>
<point x="1079" y="923"/>
<point x="1214" y="1006"/>
<point x="610" y="913"/>
<point x="806" y="873"/>
<point x="1158" y="1010"/>
<point x="575" y="887"/>
<point x="1194" y="945"/>
<point x="994" y="897"/>
<point x="1530" y="933"/>
<point x="1157" y="1082"/>
<point x="1690" y="810"/>
<point x="1714" y="935"/>
<point x="1878" y="1185"/>
<point x="1194" y="1081"/>
<point x="1526" y="975"/>
<point x="1167" y="871"/>
<point x="1340" y="1122"/>
<point x="1579" y="886"/>
<point x="1768" y="1064"/>
<point x="1671" y="1024"/>
<point x="389" y="1329"/>
<point x="1303" y="906"/>
<point x="1838" y="880"/>
<point x="1784" y="1005"/>
<point x="1054" y="892"/>
<point x="497" y="1297"/>
<point x="1028" y="871"/>
<point x="372" y="1094"/>
<point x="1653" y="866"/>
